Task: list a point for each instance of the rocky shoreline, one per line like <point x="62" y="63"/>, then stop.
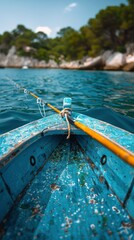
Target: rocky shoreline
<point x="109" y="60"/>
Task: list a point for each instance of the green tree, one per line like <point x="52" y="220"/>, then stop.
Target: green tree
<point x="5" y="42"/>
<point x="42" y="54"/>
<point x="71" y="42"/>
<point x="64" y="31"/>
<point x="87" y="39"/>
<point x="127" y="25"/>
<point x="39" y="40"/>
<point x="20" y="30"/>
<point x="22" y="38"/>
<point x="106" y="27"/>
<point x="131" y="2"/>
<point x="112" y="28"/>
<point x="41" y="36"/>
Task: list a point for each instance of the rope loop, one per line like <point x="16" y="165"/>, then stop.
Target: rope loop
<point x="38" y="100"/>
<point x="41" y="104"/>
<point x="65" y="113"/>
<point x="26" y="91"/>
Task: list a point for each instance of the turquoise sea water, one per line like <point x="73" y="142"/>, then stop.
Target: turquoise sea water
<point x="98" y="91"/>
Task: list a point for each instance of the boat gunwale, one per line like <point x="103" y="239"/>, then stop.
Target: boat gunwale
<point x="21" y="146"/>
<point x="53" y="124"/>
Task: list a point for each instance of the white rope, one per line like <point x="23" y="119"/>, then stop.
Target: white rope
<point x="64" y="113"/>
<point x="26" y="92"/>
<point x="41" y="104"/>
<point x="41" y="107"/>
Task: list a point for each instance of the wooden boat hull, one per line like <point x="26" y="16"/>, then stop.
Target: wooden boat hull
<point x="65" y="188"/>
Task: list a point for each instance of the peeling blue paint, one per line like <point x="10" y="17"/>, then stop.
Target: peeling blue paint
<point x="77" y="192"/>
<point x="57" y="206"/>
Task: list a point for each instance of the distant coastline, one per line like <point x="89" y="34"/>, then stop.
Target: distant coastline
<point x="108" y="60"/>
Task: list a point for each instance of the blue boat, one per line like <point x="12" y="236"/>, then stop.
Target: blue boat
<point x="52" y="187"/>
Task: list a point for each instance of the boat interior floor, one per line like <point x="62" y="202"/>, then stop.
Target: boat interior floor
<point x="66" y="200"/>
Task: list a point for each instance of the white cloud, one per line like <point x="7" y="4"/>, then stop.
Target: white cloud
<point x="70" y="7"/>
<point x="44" y="29"/>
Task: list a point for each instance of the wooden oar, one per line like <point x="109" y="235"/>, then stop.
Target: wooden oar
<point x="117" y="149"/>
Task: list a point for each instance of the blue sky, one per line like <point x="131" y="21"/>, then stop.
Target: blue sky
<point x="50" y="15"/>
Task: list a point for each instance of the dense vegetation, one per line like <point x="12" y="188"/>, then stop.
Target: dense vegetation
<point x="112" y="29"/>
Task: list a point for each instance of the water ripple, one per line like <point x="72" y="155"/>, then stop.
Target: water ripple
<point x="88" y="89"/>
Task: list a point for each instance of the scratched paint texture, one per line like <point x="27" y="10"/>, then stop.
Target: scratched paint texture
<point x="66" y="200"/>
<point x="14" y="138"/>
<point x="119" y="135"/>
<point x="60" y="202"/>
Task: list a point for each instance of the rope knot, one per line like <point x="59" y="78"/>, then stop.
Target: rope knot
<point x="65" y="113"/>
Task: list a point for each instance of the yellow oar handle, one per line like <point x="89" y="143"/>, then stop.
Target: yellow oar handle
<point x="32" y="94"/>
<point x="123" y="153"/>
<point x="48" y="104"/>
<point x="54" y="108"/>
